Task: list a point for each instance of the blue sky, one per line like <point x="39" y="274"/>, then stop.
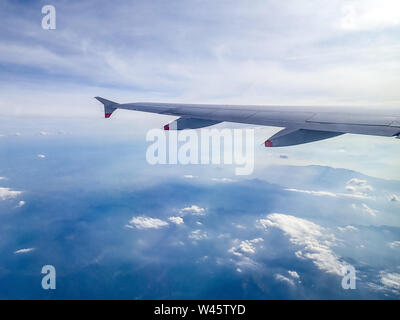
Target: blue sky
<point x="76" y="190"/>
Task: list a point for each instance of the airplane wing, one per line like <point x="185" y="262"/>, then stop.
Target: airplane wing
<point x="301" y="124"/>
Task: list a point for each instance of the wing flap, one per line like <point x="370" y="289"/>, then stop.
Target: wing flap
<point x="291" y="137"/>
<point x="189" y="123"/>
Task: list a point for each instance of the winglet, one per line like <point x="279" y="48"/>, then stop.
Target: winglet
<point x="109" y="106"/>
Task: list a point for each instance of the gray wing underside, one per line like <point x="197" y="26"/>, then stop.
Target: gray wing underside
<point x="302" y="124"/>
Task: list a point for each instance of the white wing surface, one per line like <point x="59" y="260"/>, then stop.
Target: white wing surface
<point x="302" y="124"/>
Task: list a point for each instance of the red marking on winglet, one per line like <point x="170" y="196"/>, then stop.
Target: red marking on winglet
<point x="166" y="127"/>
<point x="108" y="114"/>
<point x="268" y="143"/>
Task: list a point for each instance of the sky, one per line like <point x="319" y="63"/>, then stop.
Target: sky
<point x="76" y="190"/>
<point x="261" y="52"/>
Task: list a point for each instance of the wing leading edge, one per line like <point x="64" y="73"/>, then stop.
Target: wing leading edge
<point x="302" y="124"/>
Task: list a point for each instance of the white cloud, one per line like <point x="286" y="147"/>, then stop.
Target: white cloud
<point x="245" y="246"/>
<point x="26" y="250"/>
<point x="147" y="223"/>
<point x="282" y="278"/>
<point x="328" y="194"/>
<point x="245" y="262"/>
<point x="347" y="228"/>
<point x="390" y="280"/>
<point x="176" y="220"/>
<point x="3" y="178"/>
<point x="315" y="241"/>
<point x="294" y="274"/>
<point x="357" y="182"/>
<point x="42" y="156"/>
<point x="20" y="204"/>
<point x="189" y="176"/>
<point x="369" y="14"/>
<point x="234" y="250"/>
<point x="368" y="210"/>
<point x="222" y="180"/>
<point x="194" y="209"/>
<point x="198" y="235"/>
<point x="358" y="187"/>
<point x="315" y="193"/>
<point x="394" y="244"/>
<point x="394" y="198"/>
<point x="43" y="133"/>
<point x="7" y="193"/>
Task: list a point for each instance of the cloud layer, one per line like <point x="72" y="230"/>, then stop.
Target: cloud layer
<point x="313" y="242"/>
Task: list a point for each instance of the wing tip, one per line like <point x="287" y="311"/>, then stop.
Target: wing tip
<point x="109" y="106"/>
